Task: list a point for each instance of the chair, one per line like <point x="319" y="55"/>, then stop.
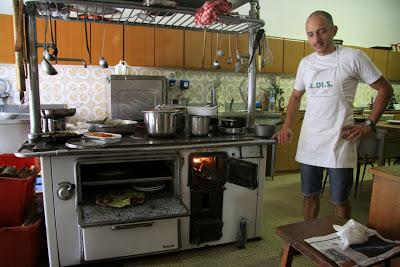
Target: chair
<point x="369" y="150"/>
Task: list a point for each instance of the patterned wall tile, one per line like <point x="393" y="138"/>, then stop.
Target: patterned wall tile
<point x="89" y="91"/>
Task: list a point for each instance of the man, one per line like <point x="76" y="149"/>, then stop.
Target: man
<point x="328" y="137"/>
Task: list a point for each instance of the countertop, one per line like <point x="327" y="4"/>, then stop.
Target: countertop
<point x="393" y="171"/>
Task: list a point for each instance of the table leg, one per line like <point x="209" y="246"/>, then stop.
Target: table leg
<point x="287" y="255"/>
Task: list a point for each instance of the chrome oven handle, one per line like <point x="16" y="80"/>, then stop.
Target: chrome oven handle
<point x="65" y="190"/>
<point x="129" y="226"/>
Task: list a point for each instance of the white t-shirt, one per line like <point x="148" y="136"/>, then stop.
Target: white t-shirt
<point x="354" y="65"/>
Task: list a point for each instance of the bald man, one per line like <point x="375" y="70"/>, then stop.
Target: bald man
<point x="329" y="78"/>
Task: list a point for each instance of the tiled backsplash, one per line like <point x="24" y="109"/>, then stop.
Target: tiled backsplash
<point x="88" y="90"/>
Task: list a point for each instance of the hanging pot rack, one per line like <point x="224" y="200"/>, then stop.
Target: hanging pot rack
<point x="134" y="13"/>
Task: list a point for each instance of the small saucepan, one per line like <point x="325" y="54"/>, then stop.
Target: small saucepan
<point x="267" y="130"/>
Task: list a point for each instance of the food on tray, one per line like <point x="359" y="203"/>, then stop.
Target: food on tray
<point x="99" y="134"/>
<point x="120" y="199"/>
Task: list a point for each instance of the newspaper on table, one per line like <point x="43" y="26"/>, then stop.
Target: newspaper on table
<point x="375" y="250"/>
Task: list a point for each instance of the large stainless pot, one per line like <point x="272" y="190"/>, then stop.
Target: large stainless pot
<point x="180" y="126"/>
<point x="161" y="121"/>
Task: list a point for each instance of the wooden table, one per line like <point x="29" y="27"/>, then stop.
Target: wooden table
<point x="294" y="235"/>
<point x="384" y="213"/>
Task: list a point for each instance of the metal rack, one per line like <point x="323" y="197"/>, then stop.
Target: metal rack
<point x="134" y="13"/>
<point x="131" y="12"/>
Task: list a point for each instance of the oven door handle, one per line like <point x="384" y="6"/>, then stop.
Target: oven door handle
<point x="130" y="226"/>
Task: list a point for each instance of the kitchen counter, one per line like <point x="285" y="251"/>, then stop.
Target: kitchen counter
<point x="140" y="141"/>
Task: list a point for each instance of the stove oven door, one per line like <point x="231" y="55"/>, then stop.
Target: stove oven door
<point x="242" y="173"/>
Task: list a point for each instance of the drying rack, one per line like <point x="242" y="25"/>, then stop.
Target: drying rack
<point x="135" y="13"/>
<point x="131" y="12"/>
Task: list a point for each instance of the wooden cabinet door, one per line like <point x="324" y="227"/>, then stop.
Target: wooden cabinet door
<point x="223" y="44"/>
<point x="293" y="52"/>
<point x="276" y="47"/>
<point x="393" y="69"/>
<point x="285" y="154"/>
<point x="71" y="41"/>
<point x="380" y="58"/>
<point x="308" y="49"/>
<point x="113" y="43"/>
<point x="139" y="46"/>
<point x="195" y="49"/>
<point x="168" y="48"/>
<point x="7" y="54"/>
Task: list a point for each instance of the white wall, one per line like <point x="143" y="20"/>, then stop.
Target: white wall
<point x="361" y="22"/>
<point x="364" y="23"/>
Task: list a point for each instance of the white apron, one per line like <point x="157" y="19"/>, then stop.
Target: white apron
<point x="320" y="142"/>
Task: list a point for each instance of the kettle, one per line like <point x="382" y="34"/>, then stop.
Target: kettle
<point x="121" y="68"/>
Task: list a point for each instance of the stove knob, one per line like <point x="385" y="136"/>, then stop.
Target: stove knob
<point x="65" y="190"/>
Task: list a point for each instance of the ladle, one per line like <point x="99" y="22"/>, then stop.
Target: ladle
<point x="221" y="52"/>
<point x="238" y="63"/>
<point x="102" y="61"/>
<point x="216" y="64"/>
<point x="229" y="60"/>
<point x="47" y="67"/>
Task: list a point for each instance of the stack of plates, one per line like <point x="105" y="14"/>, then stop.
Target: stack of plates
<point x="109" y="137"/>
<point x="149" y="187"/>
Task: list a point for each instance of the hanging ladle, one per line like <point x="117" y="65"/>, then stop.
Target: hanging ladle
<point x="221" y="52"/>
<point x="216" y="63"/>
<point x="238" y="63"/>
<point x="102" y="61"/>
<point x="229" y="60"/>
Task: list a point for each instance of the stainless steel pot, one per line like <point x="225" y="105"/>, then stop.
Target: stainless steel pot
<point x="200" y="125"/>
<point x="180" y="126"/>
<point x="161" y="121"/>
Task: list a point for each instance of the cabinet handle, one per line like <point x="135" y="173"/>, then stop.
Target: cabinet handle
<point x="130" y="226"/>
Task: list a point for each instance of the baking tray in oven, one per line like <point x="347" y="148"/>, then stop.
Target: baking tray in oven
<point x="161" y="207"/>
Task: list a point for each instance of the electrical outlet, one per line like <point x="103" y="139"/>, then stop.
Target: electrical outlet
<point x="171" y="75"/>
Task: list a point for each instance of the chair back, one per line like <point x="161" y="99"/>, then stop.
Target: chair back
<point x="372" y="146"/>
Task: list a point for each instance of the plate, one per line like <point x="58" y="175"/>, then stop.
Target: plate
<point x="110" y="137"/>
<point x="394" y="121"/>
<point x="85" y="143"/>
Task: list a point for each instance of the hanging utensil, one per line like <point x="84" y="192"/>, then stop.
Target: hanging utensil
<point x="204" y="47"/>
<point x="45" y="64"/>
<point x="102" y="61"/>
<point x="216" y="63"/>
<point x="18" y="8"/>
<point x="238" y="63"/>
<point x="220" y="51"/>
<point x="229" y="60"/>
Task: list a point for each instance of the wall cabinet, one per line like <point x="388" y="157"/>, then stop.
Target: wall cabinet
<point x="276" y="47"/>
<point x="168" y="45"/>
<point x="71" y="41"/>
<point x="139" y="46"/>
<point x="195" y="48"/>
<point x="380" y="58"/>
<point x="393" y="67"/>
<point x="293" y="51"/>
<point x="285" y="154"/>
<point x="7" y="39"/>
<point x="113" y="43"/>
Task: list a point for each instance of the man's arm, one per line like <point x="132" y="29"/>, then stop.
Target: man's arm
<point x="284" y="136"/>
<point x="385" y="91"/>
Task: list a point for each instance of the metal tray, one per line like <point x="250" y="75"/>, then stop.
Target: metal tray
<point x="85" y="143"/>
